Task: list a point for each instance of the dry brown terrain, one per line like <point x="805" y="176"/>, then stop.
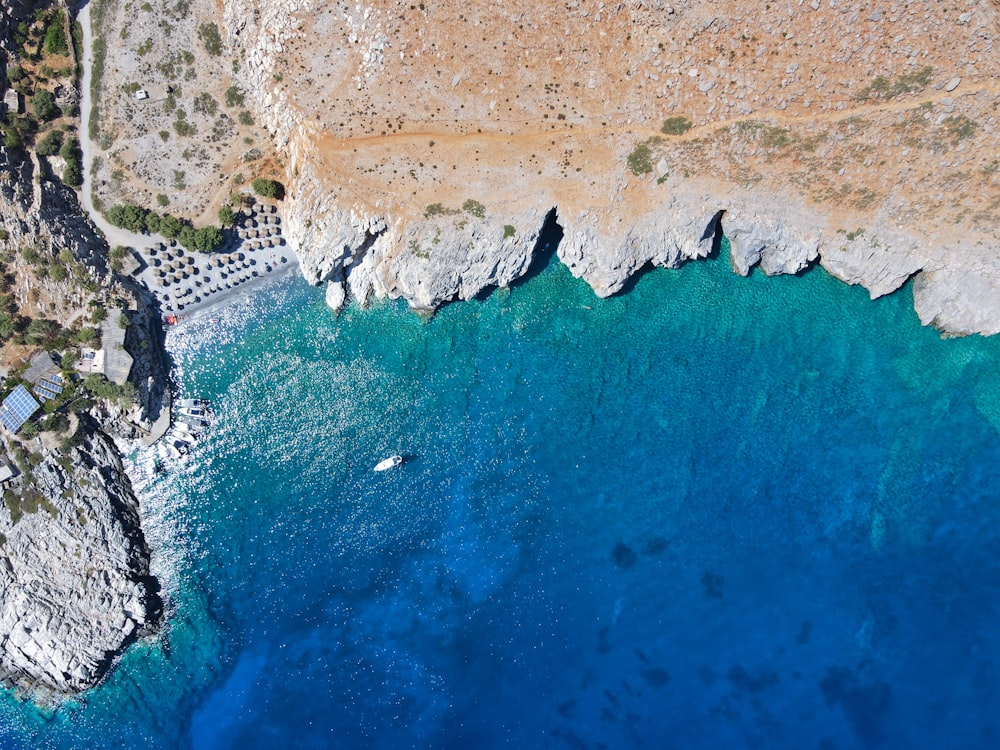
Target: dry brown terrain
<point x="866" y="110"/>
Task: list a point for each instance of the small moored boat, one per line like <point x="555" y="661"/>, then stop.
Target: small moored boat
<point x="388" y="463"/>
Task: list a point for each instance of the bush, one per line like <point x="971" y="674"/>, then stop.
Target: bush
<point x="676" y="125"/>
<point x="475" y="208"/>
<point x="234" y="96"/>
<point x="210" y="38"/>
<point x="226" y="216"/>
<point x="268" y="188"/>
<point x="640" y="161"/>
<point x="55" y="35"/>
<point x="116" y="256"/>
<point x="509" y="230"/>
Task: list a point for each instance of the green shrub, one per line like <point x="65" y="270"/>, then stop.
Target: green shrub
<point x="226" y="216"/>
<point x="210" y="38"/>
<point x="676" y="125"/>
<point x="475" y="208"/>
<point x="268" y="188"/>
<point x="55" y="34"/>
<point x="234" y="96"/>
<point x="640" y="161"/>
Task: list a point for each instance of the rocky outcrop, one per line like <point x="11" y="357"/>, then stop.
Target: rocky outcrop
<point x="75" y="587"/>
<point x="430" y="260"/>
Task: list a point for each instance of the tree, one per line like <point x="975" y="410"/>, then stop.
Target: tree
<point x="268" y="188"/>
<point x="208" y="238"/>
<point x="44" y="105"/>
<point x="72" y="176"/>
<point x="170" y="226"/>
<point x="226" y="216"/>
<point x="50" y="144"/>
<point x="70" y="150"/>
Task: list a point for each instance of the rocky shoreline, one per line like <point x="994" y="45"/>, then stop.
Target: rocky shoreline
<point x="75" y="585"/>
<point x="431" y="261"/>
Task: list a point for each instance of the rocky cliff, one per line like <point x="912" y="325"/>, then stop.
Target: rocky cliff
<point x="831" y="132"/>
<point x="75" y="587"/>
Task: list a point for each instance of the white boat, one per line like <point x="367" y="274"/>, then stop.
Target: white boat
<point x="192" y="403"/>
<point x="193" y="423"/>
<point x="388" y="463"/>
<point x="194" y="411"/>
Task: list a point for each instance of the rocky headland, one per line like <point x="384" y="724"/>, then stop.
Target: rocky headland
<point x="75" y="586"/>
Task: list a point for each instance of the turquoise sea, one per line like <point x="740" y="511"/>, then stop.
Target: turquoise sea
<point x="712" y="512"/>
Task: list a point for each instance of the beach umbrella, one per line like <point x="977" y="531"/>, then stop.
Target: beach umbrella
<point x="189" y="260"/>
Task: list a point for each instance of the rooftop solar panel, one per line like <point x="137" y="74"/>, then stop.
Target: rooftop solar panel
<point x="17" y="408"/>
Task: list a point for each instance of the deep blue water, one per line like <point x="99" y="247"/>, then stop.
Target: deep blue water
<point x="711" y="513"/>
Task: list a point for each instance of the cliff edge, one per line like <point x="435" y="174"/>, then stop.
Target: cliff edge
<point x="424" y="145"/>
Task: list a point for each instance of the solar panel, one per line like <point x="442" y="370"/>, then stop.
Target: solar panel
<point x="45" y="392"/>
<point x="17" y="408"/>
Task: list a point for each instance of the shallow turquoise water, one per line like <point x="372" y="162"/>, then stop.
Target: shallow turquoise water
<point x="713" y="512"/>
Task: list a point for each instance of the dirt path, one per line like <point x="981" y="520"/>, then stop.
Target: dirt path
<point x="901" y="104"/>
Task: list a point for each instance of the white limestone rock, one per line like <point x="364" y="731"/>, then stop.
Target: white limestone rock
<point x="961" y="299"/>
<point x="75" y="586"/>
<point x="757" y="238"/>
